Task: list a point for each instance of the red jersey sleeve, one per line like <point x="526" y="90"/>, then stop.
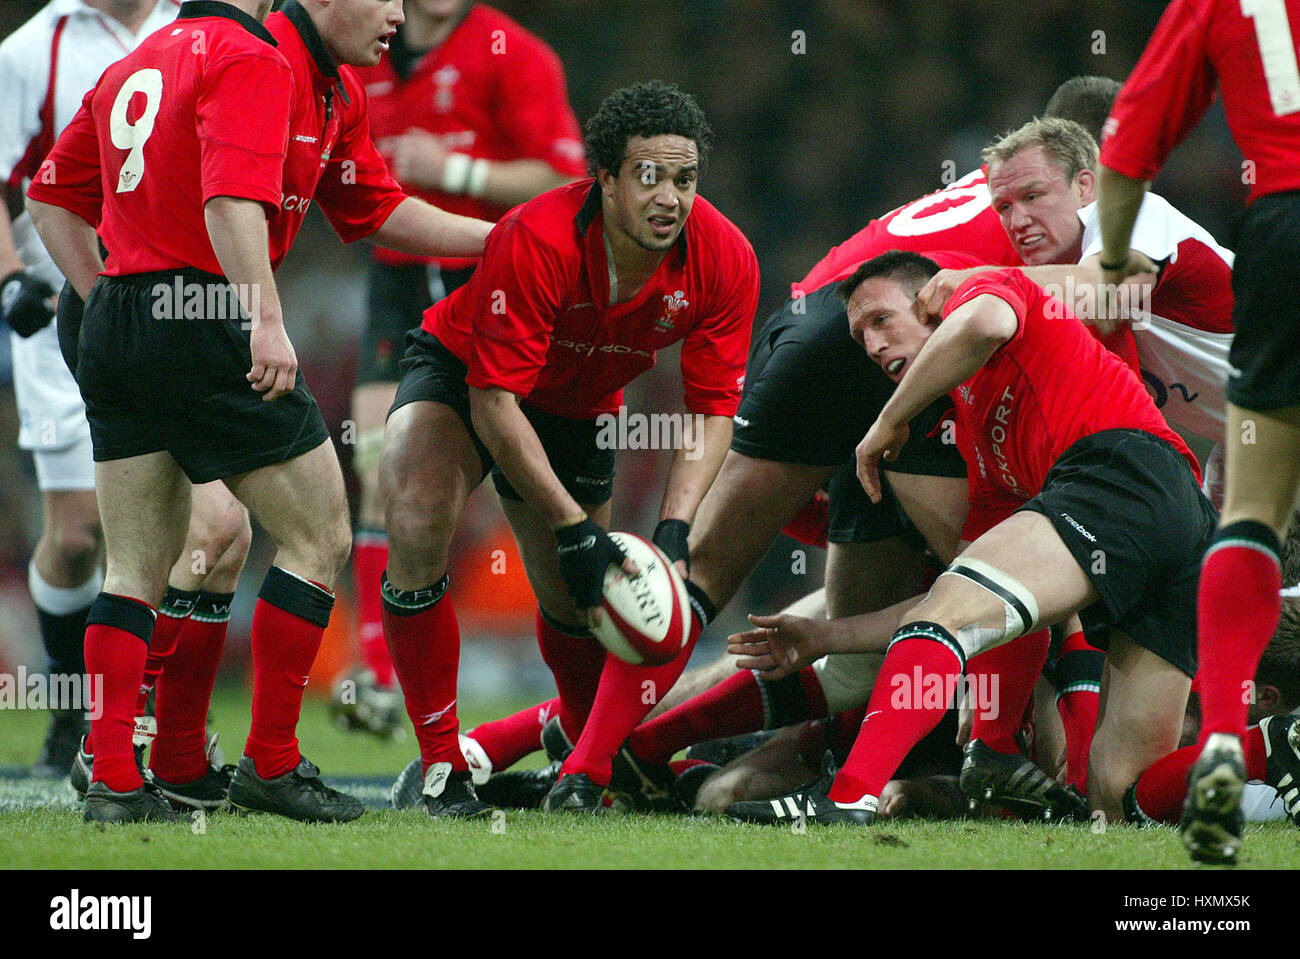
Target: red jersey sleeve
<point x="524" y="282"/>
<point x="357" y="193"/>
<point x="535" y="113"/>
<point x="1004" y="284"/>
<point x="70" y="176"/>
<point x="242" y="118"/>
<point x="1164" y="97"/>
<point x="715" y="350"/>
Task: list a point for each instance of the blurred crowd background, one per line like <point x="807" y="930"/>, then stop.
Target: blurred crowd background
<point x="825" y="114"/>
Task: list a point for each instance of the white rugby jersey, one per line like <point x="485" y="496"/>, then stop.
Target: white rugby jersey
<point x="46" y="66"/>
<point x="1183" y="351"/>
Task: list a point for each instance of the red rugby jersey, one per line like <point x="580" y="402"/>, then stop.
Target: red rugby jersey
<point x="200" y="109"/>
<point x="535" y="317"/>
<point x="330" y="156"/>
<point x="491" y="90"/>
<point x="958" y="217"/>
<point x="1245" y="47"/>
<point x="1046" y="388"/>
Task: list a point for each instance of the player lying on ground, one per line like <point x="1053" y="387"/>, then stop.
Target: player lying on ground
<point x="1271" y="744"/>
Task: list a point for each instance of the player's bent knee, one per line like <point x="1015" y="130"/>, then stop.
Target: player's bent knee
<point x="1019" y="608"/>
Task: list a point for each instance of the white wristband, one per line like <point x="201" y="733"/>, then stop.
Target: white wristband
<point x="476" y="185"/>
<point x="455" y="173"/>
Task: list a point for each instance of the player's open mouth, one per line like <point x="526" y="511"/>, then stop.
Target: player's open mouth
<point x="383" y="41"/>
<point x="1031" y="241"/>
<point x="894" y="367"/>
<point x="662" y="225"/>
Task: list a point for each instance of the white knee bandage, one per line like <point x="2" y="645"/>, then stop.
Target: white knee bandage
<point x="1020" y="610"/>
<point x="846" y="680"/>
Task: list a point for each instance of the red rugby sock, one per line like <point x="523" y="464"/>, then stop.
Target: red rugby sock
<point x="175" y="609"/>
<point x="117" y="643"/>
<point x="1077" y="677"/>
<point x="288" y="622"/>
<point x="919" y="651"/>
<point x="510" y="739"/>
<point x="1163" y="787"/>
<point x="576" y="660"/>
<point x="369" y="559"/>
<point x="1001" y="681"/>
<point x="732" y="707"/>
<point x="179" y="751"/>
<point x="424" y="638"/>
<point x="625" y="695"/>
<point x="1237" y="612"/>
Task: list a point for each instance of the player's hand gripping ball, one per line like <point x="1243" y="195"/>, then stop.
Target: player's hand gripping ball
<point x="647" y="618"/>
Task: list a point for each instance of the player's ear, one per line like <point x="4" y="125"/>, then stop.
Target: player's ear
<point x="606" y="180"/>
<point x="1085" y="181"/>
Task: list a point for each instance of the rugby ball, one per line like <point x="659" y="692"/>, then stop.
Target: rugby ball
<point x="646" y="618"/>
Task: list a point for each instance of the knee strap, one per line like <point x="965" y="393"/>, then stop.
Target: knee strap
<point x="1020" y="609"/>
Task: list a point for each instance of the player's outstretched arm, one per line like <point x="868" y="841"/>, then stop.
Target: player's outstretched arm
<point x="425" y="230"/>
<point x="784" y="643"/>
<point x="962" y="344"/>
<point x="1119" y="198"/>
<point x="237" y="230"/>
<point x="71" y="243"/>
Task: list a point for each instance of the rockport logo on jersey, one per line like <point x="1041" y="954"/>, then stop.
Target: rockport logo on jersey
<point x="189" y="300"/>
<point x="654" y="431"/>
<point x="75" y="912"/>
<point x="19" y="690"/>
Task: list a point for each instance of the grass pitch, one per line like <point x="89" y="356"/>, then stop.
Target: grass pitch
<point x="41" y="828"/>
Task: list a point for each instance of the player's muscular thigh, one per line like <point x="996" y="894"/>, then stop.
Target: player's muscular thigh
<point x="748" y="504"/>
<point x="428" y="468"/>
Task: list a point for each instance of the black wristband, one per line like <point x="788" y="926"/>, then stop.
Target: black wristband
<point x="1112" y="267"/>
<point x="671" y="537"/>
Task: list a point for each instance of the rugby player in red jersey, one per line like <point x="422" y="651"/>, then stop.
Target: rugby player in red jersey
<point x="173" y="401"/>
<point x="1041" y="179"/>
<point x="1247" y="51"/>
<point x="471" y="112"/>
<point x="577" y="292"/>
<point x="1109" y="522"/>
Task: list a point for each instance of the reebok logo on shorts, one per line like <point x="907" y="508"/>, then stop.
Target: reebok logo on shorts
<point x="1075" y="523"/>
